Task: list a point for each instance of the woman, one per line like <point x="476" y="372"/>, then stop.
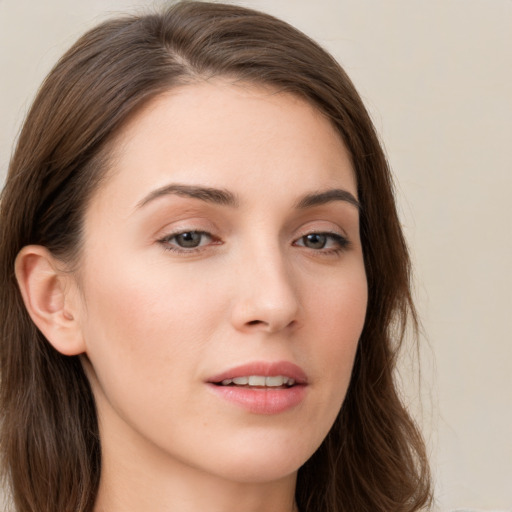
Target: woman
<point x="210" y="282"/>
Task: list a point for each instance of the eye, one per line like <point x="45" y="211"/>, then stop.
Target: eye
<point x="186" y="240"/>
<point x="323" y="241"/>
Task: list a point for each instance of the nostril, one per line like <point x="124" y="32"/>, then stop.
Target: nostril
<point x="254" y="322"/>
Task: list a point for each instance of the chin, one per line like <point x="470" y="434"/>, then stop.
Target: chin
<point x="263" y="462"/>
<point x="260" y="472"/>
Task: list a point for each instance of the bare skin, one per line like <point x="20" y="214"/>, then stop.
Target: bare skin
<point x="226" y="234"/>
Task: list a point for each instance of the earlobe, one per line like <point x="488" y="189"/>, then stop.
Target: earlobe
<point x="50" y="297"/>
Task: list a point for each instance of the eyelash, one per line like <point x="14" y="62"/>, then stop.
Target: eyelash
<point x="166" y="241"/>
<point x="341" y="243"/>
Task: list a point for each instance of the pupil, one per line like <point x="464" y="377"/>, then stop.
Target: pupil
<point x="190" y="239"/>
<point x="315" y="241"/>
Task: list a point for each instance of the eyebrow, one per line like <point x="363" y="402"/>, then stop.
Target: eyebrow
<point x="320" y="198"/>
<point x="226" y="198"/>
<point x="208" y="194"/>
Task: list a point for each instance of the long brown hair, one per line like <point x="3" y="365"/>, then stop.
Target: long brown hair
<point x="373" y="459"/>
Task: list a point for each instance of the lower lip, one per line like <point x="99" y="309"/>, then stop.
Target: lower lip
<point x="262" y="400"/>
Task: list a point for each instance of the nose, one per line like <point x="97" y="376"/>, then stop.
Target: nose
<point x="266" y="296"/>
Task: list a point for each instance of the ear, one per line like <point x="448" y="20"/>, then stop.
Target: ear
<point x="51" y="298"/>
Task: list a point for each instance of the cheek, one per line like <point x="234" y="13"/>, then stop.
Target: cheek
<point x="336" y="312"/>
<point x="138" y="323"/>
<point x="339" y="304"/>
<point x="143" y="339"/>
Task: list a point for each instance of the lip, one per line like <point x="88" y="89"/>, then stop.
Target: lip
<point x="265" y="369"/>
<point x="257" y="400"/>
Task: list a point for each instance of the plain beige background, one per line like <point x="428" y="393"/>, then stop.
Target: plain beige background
<point x="437" y="78"/>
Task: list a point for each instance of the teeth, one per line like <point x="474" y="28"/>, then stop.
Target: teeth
<point x="260" y="381"/>
<point x="256" y="380"/>
<point x="276" y="381"/>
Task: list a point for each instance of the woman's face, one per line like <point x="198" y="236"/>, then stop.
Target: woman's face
<point x="223" y="245"/>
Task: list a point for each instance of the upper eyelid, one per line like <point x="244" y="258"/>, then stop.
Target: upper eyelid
<point x="169" y="233"/>
<point x="174" y="234"/>
<point x="177" y="232"/>
<point x="176" y="227"/>
<point x="333" y="229"/>
<point x="323" y="232"/>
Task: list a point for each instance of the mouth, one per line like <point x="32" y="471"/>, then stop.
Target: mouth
<point x="262" y="374"/>
<point x="259" y="381"/>
<point x="262" y="387"/>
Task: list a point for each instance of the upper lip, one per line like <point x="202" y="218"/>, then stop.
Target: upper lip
<point x="265" y="369"/>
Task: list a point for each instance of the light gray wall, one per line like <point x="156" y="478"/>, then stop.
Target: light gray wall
<point x="437" y="78"/>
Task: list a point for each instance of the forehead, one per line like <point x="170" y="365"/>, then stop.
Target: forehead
<point x="218" y="133"/>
